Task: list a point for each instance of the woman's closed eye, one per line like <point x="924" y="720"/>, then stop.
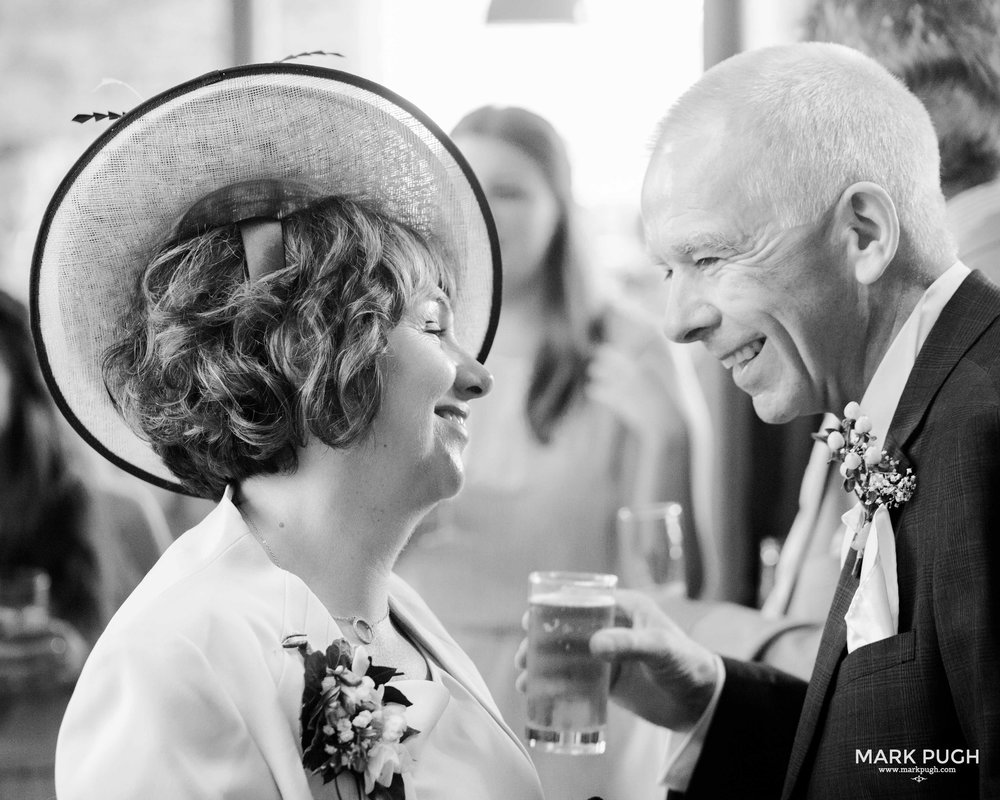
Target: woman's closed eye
<point x="434" y="316"/>
<point x="508" y="193"/>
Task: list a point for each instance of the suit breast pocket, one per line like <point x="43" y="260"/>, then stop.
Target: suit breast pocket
<point x="881" y="655"/>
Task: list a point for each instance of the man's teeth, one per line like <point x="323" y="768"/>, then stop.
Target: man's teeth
<point x="744" y="354"/>
<point x="452" y="417"/>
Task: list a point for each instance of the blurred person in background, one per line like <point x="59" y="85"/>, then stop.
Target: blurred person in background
<point x="591" y="411"/>
<point x="85" y="543"/>
<point x="44" y="500"/>
<point x="947" y="52"/>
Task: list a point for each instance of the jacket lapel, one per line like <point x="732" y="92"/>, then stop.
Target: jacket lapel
<point x="441" y="651"/>
<point x="963" y="320"/>
<point x="831" y="649"/>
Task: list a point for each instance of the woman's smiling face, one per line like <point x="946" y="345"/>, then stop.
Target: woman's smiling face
<point x="428" y="383"/>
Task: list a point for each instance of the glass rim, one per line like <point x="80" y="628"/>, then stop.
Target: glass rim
<point x="669" y="508"/>
<point x="579" y="580"/>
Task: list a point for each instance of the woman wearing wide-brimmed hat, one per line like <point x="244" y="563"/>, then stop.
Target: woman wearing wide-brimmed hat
<point x="270" y="286"/>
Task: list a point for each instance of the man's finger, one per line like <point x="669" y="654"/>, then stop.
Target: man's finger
<point x="521" y="656"/>
<point x="615" y="644"/>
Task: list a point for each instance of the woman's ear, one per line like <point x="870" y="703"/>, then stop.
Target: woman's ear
<point x="866" y="218"/>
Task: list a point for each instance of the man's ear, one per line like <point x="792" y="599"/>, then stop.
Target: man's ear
<point x="869" y="229"/>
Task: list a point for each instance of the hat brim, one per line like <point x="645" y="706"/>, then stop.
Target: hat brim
<point x="328" y="128"/>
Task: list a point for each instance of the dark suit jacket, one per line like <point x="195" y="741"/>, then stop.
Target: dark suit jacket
<point x="936" y="684"/>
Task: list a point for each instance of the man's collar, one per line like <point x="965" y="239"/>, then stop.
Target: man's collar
<point x="887" y="384"/>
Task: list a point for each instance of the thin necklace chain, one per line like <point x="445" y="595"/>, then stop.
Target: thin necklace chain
<point x="355" y="618"/>
<point x="263" y="542"/>
<point x="363" y="629"/>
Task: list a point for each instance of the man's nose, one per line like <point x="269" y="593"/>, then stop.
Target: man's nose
<point x="690" y="315"/>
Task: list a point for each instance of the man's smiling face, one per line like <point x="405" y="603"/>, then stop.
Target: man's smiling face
<point x="772" y="302"/>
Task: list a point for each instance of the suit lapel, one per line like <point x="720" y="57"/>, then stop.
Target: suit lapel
<point x="831" y="649"/>
<point x="963" y="320"/>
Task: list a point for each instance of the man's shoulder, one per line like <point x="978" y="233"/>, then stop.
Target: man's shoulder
<point x="985" y="352"/>
<point x="973" y="386"/>
<point x="966" y="337"/>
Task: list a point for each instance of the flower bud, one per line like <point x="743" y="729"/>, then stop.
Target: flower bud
<point x="852" y="410"/>
<point x="394" y="728"/>
<point x="873" y="455"/>
<point x="835" y="440"/>
<point x="863" y="425"/>
<point x="844" y="470"/>
<point x="852" y="461"/>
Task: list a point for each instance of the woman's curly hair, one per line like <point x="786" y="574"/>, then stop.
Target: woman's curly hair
<point x="227" y="378"/>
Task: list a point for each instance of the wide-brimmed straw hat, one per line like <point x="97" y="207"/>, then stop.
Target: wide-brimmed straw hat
<point x="273" y="123"/>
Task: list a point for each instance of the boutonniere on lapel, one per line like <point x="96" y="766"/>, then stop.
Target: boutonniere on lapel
<point x="353" y="720"/>
<point x="868" y="471"/>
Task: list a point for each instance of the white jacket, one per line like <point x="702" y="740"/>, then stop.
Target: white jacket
<point x="190" y="694"/>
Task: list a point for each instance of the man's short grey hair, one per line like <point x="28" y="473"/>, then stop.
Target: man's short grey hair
<point x="812" y="119"/>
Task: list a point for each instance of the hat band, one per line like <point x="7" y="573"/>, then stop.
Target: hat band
<point x="257" y="207"/>
<point x="263" y="246"/>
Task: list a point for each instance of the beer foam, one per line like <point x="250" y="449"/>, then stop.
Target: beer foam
<point x="568" y="597"/>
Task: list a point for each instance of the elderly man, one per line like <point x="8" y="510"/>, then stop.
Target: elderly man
<point x="794" y="202"/>
<point x="947" y="52"/>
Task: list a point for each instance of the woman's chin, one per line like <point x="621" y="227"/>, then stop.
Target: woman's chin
<point x="452" y="485"/>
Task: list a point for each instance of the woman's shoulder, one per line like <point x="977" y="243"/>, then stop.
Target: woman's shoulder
<point x="210" y="585"/>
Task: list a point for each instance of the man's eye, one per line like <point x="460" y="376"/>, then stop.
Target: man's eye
<point x="707" y="261"/>
<point x="433" y="327"/>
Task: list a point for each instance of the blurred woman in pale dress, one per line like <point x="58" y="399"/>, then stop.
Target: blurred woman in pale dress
<point x="590" y="413"/>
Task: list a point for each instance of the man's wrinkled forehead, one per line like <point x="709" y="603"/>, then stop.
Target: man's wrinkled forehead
<point x="691" y="200"/>
<point x="679" y="172"/>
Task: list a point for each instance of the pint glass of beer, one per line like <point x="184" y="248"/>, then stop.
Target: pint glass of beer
<point x="567" y="686"/>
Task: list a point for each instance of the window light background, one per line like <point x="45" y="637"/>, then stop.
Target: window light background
<point x="603" y="80"/>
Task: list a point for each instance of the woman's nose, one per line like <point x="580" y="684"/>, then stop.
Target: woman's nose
<point x="472" y="379"/>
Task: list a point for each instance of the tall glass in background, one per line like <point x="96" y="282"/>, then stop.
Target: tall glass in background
<point x="24" y="602"/>
<point x="651" y="547"/>
<point x="567" y="687"/>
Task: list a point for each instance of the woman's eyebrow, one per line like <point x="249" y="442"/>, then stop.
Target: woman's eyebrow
<point x="438" y="296"/>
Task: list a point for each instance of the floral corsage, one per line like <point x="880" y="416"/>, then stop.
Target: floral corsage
<point x="868" y="471"/>
<point x="353" y="719"/>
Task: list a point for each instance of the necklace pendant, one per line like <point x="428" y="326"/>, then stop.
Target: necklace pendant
<point x="363" y="630"/>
